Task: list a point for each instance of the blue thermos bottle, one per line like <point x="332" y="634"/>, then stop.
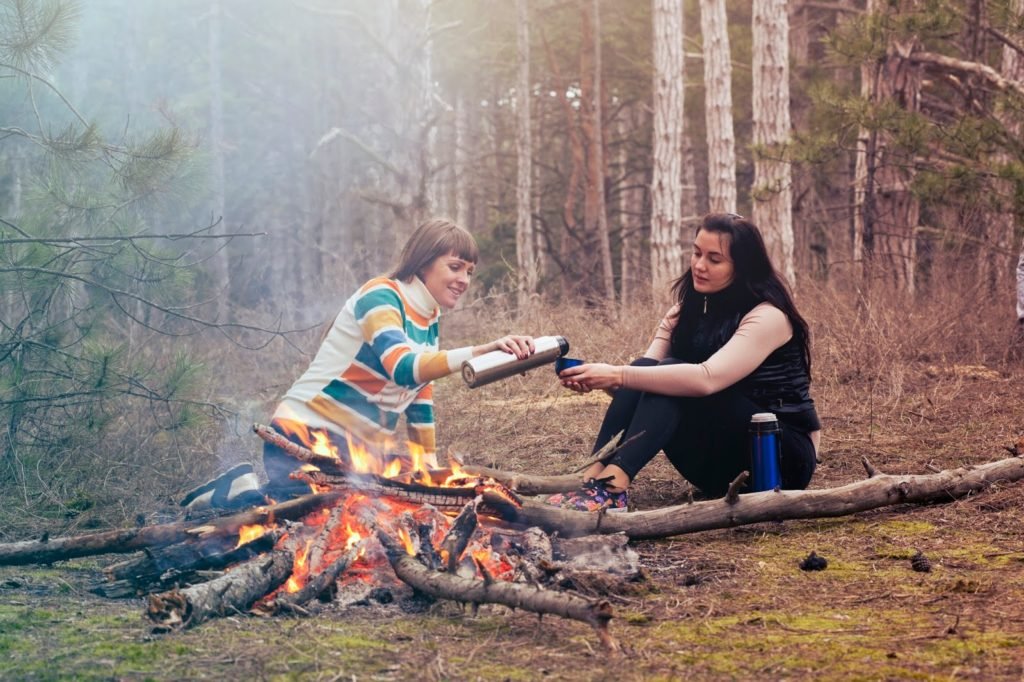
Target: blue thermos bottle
<point x="765" y="452"/>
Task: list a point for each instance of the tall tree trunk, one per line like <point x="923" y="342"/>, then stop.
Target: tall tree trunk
<point x="631" y="208"/>
<point x="773" y="192"/>
<point x="525" y="258"/>
<point x="718" y="107"/>
<point x="220" y="267"/>
<point x="1013" y="69"/>
<point x="669" y="125"/>
<point x="1004" y="223"/>
<point x="887" y="213"/>
<point x="595" y="218"/>
<point x="571" y="282"/>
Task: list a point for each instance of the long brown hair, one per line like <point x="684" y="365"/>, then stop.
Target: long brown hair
<point x="433" y="239"/>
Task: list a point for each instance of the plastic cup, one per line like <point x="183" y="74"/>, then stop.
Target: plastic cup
<point x="566" y="363"/>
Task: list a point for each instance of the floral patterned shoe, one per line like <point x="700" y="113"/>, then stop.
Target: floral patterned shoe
<point x="591" y="497"/>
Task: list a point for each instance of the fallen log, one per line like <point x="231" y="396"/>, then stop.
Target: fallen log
<point x="168" y="567"/>
<point x="597" y="614"/>
<point x="879" y="490"/>
<point x="46" y="551"/>
<point x="234" y="592"/>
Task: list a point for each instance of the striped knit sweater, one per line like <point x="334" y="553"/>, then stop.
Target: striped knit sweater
<point x="376" y="363"/>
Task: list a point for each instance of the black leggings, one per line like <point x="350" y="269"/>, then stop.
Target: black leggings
<point x="704" y="438"/>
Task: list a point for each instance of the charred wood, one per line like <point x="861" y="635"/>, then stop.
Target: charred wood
<point x="459" y="534"/>
<point x="314" y="587"/>
<point x="303" y="454"/>
<point x="168" y="567"/>
<point x="497" y="499"/>
<point x="597" y="614"/>
<point x="234" y="592"/>
<point x="136" y="539"/>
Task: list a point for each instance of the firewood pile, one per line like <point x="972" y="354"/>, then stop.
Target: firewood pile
<point x="466" y="534"/>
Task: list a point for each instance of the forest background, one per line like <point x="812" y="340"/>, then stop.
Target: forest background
<point x="189" y="190"/>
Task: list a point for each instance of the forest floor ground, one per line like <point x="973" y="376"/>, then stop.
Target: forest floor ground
<point x="725" y="604"/>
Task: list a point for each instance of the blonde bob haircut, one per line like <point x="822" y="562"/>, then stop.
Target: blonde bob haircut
<point x="433" y="239"/>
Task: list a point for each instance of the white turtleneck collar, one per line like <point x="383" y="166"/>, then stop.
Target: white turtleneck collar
<point x="420" y="298"/>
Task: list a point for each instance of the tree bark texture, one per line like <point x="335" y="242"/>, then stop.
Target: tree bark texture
<point x="718" y="107"/>
<point x="1005" y="223"/>
<point x="166" y="567"/>
<point x="526" y="259"/>
<point x="773" y="195"/>
<point x="597" y="614"/>
<point x="889" y="213"/>
<point x="669" y="126"/>
<point x="879" y="490"/>
<point x="234" y="592"/>
<point x="632" y="193"/>
<point x="48" y="550"/>
<point x="595" y="213"/>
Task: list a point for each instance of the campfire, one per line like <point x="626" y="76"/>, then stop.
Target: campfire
<point x="469" y="534"/>
<point x="369" y="519"/>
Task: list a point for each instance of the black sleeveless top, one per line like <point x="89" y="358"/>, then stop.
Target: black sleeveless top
<point x="781" y="384"/>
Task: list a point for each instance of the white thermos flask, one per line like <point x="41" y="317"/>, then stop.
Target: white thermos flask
<point x="498" y="364"/>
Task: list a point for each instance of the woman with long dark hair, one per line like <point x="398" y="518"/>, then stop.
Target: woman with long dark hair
<point x="733" y="345"/>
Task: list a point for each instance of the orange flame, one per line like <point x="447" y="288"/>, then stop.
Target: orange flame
<point x="354" y="536"/>
<point x="300" y="571"/>
<point x="393" y="468"/>
<point x="247" y="534"/>
<point x="407" y="542"/>
<point x="363" y="461"/>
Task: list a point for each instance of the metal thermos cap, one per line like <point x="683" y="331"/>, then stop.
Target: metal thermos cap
<point x="763" y="418"/>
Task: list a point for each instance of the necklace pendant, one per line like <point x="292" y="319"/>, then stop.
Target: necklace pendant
<point x="705" y="305"/>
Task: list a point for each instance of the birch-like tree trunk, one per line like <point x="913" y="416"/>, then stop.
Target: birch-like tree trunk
<point x="718" y="107"/>
<point x="886" y="211"/>
<point x="669" y="125"/>
<point x="526" y="261"/>
<point x="773" y="195"/>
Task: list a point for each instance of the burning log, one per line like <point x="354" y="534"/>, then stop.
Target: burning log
<point x="314" y="587"/>
<point x="234" y="592"/>
<point x="46" y="551"/>
<point x="880" y="490"/>
<point x="303" y="454"/>
<point x="167" y="567"/>
<point x="597" y="614"/>
<point x="459" y="535"/>
<point x="497" y="499"/>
